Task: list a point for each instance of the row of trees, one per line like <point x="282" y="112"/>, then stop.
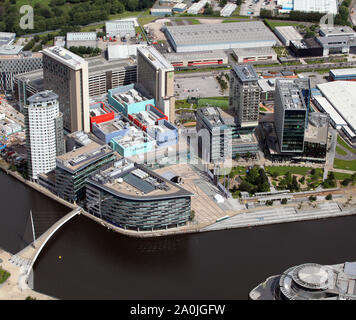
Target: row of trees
<point x="85" y="51"/>
<point x="59" y="13"/>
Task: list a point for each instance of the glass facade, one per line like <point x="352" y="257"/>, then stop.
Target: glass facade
<point x="293" y="131"/>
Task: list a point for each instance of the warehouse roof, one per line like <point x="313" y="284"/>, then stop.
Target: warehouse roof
<point x="254" y="51"/>
<point x="289" y="32"/>
<point x="343" y="72"/>
<point x="327" y="6"/>
<point x="342" y="96"/>
<point x="81" y="36"/>
<point x="328" y="108"/>
<point x="327" y="31"/>
<point x="220" y="33"/>
<point x="216" y="54"/>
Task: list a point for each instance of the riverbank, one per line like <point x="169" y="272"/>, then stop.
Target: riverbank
<point x="244" y="218"/>
<point x="15" y="288"/>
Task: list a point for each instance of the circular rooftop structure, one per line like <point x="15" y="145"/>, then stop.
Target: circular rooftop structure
<point x="311" y="276"/>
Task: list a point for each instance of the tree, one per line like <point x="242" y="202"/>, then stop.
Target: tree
<point x="284" y="201"/>
<point x="132" y="5"/>
<point x="192" y="215"/>
<point x="329" y="196"/>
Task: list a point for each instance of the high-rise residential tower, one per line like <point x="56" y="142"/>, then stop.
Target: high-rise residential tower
<point x="67" y="74"/>
<point x="44" y="132"/>
<point x="244" y="97"/>
<point x="156" y="74"/>
<point x="291" y="113"/>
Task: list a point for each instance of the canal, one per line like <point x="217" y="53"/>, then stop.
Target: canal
<point x="86" y="261"/>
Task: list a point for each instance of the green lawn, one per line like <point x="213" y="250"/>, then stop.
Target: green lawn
<point x="340" y="151"/>
<point x="283" y="170"/>
<point x="182" y="104"/>
<point x="345" y="144"/>
<point x="272" y="24"/>
<point x="4" y="275"/>
<point x="341" y="176"/>
<point x="194" y="21"/>
<point x="263" y="109"/>
<point x="345" y="164"/>
<point x="222" y="103"/>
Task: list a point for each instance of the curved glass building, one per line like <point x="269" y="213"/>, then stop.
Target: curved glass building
<point x="130" y="196"/>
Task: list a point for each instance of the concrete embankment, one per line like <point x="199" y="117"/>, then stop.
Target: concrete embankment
<point x="15" y="287"/>
<point x="281" y="215"/>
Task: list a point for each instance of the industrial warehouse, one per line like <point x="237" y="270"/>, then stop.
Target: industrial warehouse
<point x="196" y="59"/>
<point x="221" y="36"/>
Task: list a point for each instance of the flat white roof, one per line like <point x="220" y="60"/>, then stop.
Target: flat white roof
<point x="349" y="131"/>
<point x="327" y="6"/>
<point x="248" y="32"/>
<point x="328" y="108"/>
<point x="343" y="72"/>
<point x="289" y="33"/>
<point x="66" y="57"/>
<point x="81" y="36"/>
<point x="342" y="96"/>
<point x="157" y="59"/>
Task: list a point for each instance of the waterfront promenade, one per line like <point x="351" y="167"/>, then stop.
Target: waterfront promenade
<point x="15" y="288"/>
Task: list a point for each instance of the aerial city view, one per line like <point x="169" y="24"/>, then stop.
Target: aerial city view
<point x="178" y="150"/>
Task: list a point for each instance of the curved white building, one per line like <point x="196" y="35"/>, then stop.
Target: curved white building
<point x="44" y="132"/>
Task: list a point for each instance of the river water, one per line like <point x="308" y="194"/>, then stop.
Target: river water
<point x="84" y="260"/>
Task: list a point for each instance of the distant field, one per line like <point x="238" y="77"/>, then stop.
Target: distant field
<point x="345" y="145"/>
<point x="345" y="164"/>
<point x="340" y="151"/>
<point x="341" y="176"/>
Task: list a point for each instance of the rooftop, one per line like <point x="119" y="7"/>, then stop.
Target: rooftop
<point x="81" y="157"/>
<point x="245" y="72"/>
<point x="220" y="33"/>
<point x="157" y="59"/>
<point x="343" y="72"/>
<point x="123" y="51"/>
<point x="81" y="36"/>
<point x="289" y="32"/>
<point x="7" y="38"/>
<point x="136" y="182"/>
<point x="342" y="96"/>
<point x="317" y="130"/>
<point x="34" y="78"/>
<point x="323" y="6"/>
<point x="9" y="49"/>
<point x="290" y="93"/>
<point x="133" y="138"/>
<point x="42" y="96"/>
<point x="327" y="31"/>
<point x="132" y="95"/>
<point x="174" y="57"/>
<point x="113" y="125"/>
<point x="119" y="26"/>
<point x="100" y="64"/>
<point x="66" y="57"/>
<point x="254" y="51"/>
<point x="329" y="109"/>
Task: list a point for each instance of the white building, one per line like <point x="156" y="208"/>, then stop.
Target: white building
<point x="228" y="10"/>
<point x="323" y="6"/>
<point x="44" y="132"/>
<point x="342" y="96"/>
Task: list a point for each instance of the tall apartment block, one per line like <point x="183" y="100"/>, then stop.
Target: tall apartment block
<point x="290" y="114"/>
<point x="13" y="64"/>
<point x="156" y="74"/>
<point x="244" y="97"/>
<point x="44" y="132"/>
<point x="216" y="144"/>
<point x="67" y="74"/>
